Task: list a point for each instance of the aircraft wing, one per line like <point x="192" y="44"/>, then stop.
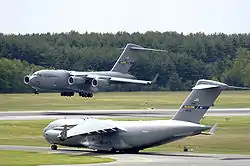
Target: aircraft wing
<point x="91" y="126"/>
<point x="126" y="80"/>
<point x="111" y="79"/>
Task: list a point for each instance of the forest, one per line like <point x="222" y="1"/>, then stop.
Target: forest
<point x="219" y="56"/>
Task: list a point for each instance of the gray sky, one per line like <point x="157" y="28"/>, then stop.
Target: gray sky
<point x="41" y="16"/>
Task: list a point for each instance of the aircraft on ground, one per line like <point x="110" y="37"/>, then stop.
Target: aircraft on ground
<point x="133" y="136"/>
<point x="85" y="83"/>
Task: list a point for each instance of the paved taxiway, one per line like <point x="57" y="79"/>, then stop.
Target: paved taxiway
<point x="28" y="115"/>
<point x="149" y="159"/>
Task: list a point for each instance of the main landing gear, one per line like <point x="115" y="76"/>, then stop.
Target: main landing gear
<point x="85" y="94"/>
<point x="53" y="147"/>
<point x="67" y="94"/>
<point x="130" y="151"/>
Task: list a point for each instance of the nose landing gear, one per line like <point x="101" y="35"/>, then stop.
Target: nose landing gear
<point x="53" y="147"/>
<point x="36" y="91"/>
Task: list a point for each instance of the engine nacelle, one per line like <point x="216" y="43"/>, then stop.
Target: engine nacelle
<point x="72" y="80"/>
<point x="99" y="82"/>
<point x="26" y="79"/>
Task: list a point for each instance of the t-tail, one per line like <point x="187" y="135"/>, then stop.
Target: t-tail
<point x="128" y="57"/>
<point x="201" y="98"/>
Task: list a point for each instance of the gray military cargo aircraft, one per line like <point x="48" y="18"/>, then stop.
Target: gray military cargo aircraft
<point x="85" y="83"/>
<point x="132" y="136"/>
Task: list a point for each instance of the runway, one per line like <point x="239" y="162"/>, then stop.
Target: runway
<point x="154" y="113"/>
<point x="148" y="158"/>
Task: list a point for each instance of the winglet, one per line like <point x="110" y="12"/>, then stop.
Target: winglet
<point x="155" y="78"/>
<point x="212" y="130"/>
<point x="63" y="135"/>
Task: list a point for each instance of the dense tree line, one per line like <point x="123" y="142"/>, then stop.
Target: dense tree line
<point x="188" y="58"/>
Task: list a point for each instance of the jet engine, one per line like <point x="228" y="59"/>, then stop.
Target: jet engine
<point x="99" y="82"/>
<point x="26" y="79"/>
<point x="72" y="80"/>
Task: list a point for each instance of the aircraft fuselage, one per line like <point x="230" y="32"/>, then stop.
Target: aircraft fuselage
<point x="139" y="134"/>
<point x="58" y="79"/>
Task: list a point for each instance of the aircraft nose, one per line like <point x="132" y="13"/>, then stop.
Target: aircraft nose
<point x="51" y="135"/>
<point x="33" y="81"/>
<point x="46" y="134"/>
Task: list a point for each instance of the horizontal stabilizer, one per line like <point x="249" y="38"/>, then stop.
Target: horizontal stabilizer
<point x="205" y="86"/>
<point x="146" y="49"/>
<point x="236" y="87"/>
<point x="212" y="130"/>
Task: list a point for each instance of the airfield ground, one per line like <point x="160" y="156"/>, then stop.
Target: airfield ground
<point x="114" y="101"/>
<point x="21" y="158"/>
<point x="232" y="136"/>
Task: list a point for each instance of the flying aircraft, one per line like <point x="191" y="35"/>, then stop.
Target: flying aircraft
<point x="133" y="136"/>
<point x="86" y="83"/>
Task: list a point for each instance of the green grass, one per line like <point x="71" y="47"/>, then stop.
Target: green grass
<point x="114" y="100"/>
<point x="21" y="158"/>
<point x="23" y="132"/>
<point x="232" y="135"/>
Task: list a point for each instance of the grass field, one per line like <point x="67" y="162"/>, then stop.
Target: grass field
<point x="21" y="158"/>
<point x="232" y="136"/>
<point x="114" y="100"/>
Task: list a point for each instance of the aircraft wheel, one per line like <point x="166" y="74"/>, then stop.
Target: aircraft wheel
<point x="91" y="95"/>
<point x="84" y="94"/>
<point x="101" y="151"/>
<point x="131" y="151"/>
<point x="113" y="150"/>
<point x="87" y="94"/>
<point x="53" y="147"/>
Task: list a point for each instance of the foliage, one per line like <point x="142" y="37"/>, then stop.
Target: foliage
<point x="239" y="74"/>
<point x="190" y="57"/>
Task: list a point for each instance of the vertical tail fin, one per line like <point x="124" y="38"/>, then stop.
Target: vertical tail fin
<point x="201" y="98"/>
<point x="127" y="57"/>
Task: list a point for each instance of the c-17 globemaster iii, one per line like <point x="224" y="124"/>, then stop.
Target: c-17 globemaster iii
<point x="85" y="83"/>
<point x="133" y="136"/>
